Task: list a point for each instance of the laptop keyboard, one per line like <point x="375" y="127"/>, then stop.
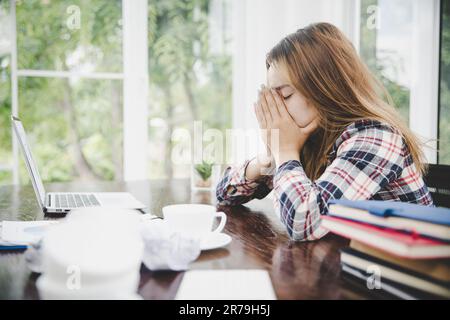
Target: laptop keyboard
<point x="74" y="200"/>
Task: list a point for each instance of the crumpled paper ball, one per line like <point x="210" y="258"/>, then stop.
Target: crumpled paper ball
<point x="165" y="249"/>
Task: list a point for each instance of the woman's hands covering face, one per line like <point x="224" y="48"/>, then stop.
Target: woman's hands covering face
<point x="281" y="134"/>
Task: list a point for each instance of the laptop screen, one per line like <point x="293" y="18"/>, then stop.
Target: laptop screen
<point x="31" y="165"/>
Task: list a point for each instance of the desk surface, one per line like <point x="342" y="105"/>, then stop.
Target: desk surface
<point x="307" y="270"/>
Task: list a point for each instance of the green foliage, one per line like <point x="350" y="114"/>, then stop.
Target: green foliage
<point x="188" y="81"/>
<point x="368" y="52"/>
<point x="47" y="41"/>
<point x="204" y="169"/>
<point x="400" y="94"/>
<point x="75" y="125"/>
<point x="5" y="105"/>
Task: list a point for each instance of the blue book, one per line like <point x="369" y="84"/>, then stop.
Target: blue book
<point x="436" y="215"/>
<point x="12" y="247"/>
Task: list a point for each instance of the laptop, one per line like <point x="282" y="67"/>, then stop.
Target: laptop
<point x="63" y="202"/>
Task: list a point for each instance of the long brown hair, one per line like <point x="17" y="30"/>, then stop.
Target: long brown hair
<point x="323" y="66"/>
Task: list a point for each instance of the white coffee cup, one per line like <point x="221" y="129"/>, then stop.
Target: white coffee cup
<point x="193" y="219"/>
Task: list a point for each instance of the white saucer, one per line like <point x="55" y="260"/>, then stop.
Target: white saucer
<point x="214" y="241"/>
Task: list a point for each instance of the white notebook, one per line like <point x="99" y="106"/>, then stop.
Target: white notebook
<point x="24" y="232"/>
<point x="226" y="285"/>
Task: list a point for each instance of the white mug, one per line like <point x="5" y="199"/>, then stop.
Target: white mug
<point x="196" y="219"/>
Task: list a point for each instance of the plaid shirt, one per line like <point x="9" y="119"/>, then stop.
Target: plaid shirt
<point x="369" y="160"/>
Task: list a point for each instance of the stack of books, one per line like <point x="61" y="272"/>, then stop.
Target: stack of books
<point x="401" y="248"/>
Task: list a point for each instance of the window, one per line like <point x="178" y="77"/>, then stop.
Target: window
<point x="68" y="123"/>
<point x="399" y="41"/>
<point x="385" y="46"/>
<point x="78" y="72"/>
<point x="73" y="62"/>
<point x="6" y="158"/>
<point x="189" y="73"/>
<point x="69" y="116"/>
<point x="444" y="95"/>
<point x="68" y="59"/>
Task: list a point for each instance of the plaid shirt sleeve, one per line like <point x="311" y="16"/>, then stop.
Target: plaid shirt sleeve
<point x="235" y="188"/>
<point x="367" y="159"/>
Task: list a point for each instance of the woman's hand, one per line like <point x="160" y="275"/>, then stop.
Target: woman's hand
<point x="260" y="166"/>
<point x="282" y="135"/>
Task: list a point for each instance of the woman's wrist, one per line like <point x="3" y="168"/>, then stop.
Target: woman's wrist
<point x="259" y="166"/>
<point x="286" y="156"/>
<point x="264" y="160"/>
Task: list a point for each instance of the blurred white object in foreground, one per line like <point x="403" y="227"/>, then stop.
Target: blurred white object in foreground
<point x="92" y="254"/>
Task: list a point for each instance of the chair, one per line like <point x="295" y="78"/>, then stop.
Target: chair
<point x="438" y="181"/>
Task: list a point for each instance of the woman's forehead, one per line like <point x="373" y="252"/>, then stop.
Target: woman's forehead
<point x="276" y="76"/>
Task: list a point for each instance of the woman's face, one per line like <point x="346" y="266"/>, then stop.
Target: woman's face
<point x="299" y="108"/>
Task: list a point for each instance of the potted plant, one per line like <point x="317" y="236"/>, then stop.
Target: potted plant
<point x="202" y="175"/>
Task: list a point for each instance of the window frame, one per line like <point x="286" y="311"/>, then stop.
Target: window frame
<point x="134" y="81"/>
<point x="441" y="28"/>
<point x="424" y="89"/>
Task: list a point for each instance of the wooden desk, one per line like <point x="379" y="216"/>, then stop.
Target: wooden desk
<point x="308" y="270"/>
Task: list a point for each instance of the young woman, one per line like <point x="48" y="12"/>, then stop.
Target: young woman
<point x="337" y="137"/>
